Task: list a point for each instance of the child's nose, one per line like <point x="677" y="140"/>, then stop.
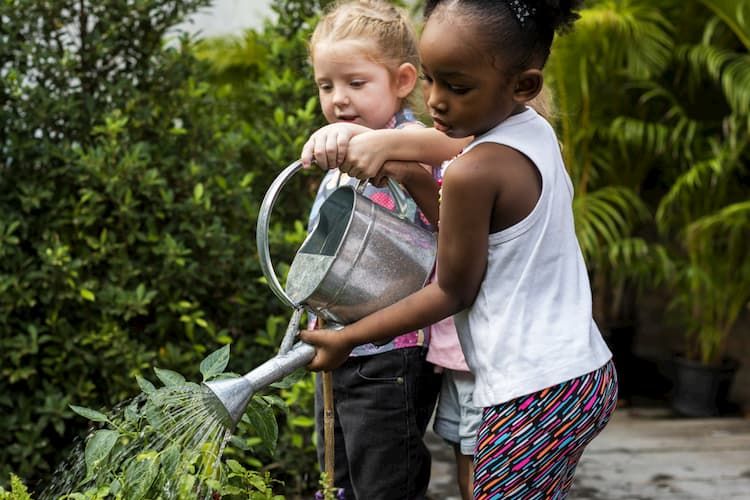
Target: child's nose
<point x="340" y="97"/>
<point x="435" y="101"/>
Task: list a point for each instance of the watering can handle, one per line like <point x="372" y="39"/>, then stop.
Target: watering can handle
<point x="261" y="233"/>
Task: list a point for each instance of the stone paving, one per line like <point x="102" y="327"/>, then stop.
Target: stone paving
<point x="645" y="455"/>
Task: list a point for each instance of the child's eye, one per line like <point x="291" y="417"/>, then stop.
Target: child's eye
<point x="324" y="86"/>
<point x="458" y="90"/>
<point x="357" y="84"/>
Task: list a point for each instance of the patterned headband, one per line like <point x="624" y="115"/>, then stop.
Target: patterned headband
<point x="521" y="10"/>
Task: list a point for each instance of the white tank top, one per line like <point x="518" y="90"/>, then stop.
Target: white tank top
<point x="530" y="326"/>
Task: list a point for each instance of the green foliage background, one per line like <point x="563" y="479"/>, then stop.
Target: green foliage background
<point x="134" y="160"/>
<point x="131" y="176"/>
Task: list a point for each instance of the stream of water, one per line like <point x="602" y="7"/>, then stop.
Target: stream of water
<point x="166" y="444"/>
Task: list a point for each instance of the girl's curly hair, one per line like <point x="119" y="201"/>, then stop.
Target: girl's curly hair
<point x="522" y="29"/>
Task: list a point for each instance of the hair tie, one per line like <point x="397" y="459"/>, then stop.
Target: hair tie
<point x="521" y="11"/>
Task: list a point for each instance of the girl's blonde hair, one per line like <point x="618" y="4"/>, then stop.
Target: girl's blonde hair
<point x="388" y="26"/>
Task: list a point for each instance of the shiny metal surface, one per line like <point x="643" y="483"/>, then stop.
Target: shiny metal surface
<point x="229" y="397"/>
<point x="358" y="259"/>
<point x="376" y="258"/>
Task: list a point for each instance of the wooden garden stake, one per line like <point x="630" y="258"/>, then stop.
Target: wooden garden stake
<point x="328" y="421"/>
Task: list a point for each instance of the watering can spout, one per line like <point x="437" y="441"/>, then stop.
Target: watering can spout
<point x="229" y="397"/>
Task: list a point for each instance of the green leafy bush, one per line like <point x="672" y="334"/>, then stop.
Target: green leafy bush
<point x="129" y="189"/>
<point x="166" y="443"/>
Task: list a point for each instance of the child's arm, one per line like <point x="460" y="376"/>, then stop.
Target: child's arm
<point x="353" y="146"/>
<point x="367" y="152"/>
<point x="465" y="214"/>
<point x="327" y="146"/>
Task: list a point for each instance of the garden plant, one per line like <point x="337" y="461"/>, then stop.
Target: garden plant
<point x="134" y="159"/>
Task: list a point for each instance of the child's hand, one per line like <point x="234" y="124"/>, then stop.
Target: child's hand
<point x="328" y="145"/>
<point x="366" y="154"/>
<point x="399" y="171"/>
<point x="331" y="348"/>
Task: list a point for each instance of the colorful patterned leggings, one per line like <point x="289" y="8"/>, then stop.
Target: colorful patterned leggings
<point x="528" y="448"/>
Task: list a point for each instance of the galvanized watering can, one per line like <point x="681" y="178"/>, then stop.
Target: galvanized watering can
<point x="358" y="258"/>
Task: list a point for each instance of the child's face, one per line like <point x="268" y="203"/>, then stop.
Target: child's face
<point x="352" y="87"/>
<point x="465" y="93"/>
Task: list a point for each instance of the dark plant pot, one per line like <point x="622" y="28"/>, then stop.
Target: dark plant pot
<point x="701" y="390"/>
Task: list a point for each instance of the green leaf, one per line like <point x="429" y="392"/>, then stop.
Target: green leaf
<point x="290" y="379"/>
<point x="88" y="413"/>
<point x="235" y="466"/>
<point x="263" y="420"/>
<point x="87" y="295"/>
<point x="146" y="386"/>
<point x="139" y="477"/>
<point x="98" y="448"/>
<point x="215" y="363"/>
<point x="169" y="378"/>
<point x="198" y="192"/>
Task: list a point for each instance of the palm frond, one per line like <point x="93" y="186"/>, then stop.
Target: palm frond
<point x="632" y="34"/>
<point x="736" y="14"/>
<point x="641" y="262"/>
<point x="736" y="84"/>
<point x="649" y="137"/>
<point x="605" y="216"/>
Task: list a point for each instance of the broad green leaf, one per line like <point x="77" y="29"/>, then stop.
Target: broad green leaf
<point x="302" y="421"/>
<point x="263" y="421"/>
<point x="87" y="294"/>
<point x="170" y="459"/>
<point x="215" y="363"/>
<point x="290" y="379"/>
<point x="168" y="377"/>
<point x="235" y="466"/>
<point x="146" y="386"/>
<point x="98" y="448"/>
<point x="88" y="413"/>
<point x="139" y="477"/>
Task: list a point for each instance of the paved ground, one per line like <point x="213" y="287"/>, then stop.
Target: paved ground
<point x="645" y="455"/>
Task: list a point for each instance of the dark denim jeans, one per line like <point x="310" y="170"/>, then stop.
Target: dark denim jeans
<point x="382" y="404"/>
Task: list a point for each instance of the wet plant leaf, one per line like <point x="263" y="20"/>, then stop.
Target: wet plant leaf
<point x="146" y="386"/>
<point x="132" y="415"/>
<point x="93" y="415"/>
<point x="215" y="363"/>
<point x="140" y="475"/>
<point x="115" y="487"/>
<point x="170" y="459"/>
<point x="98" y="448"/>
<point x="263" y="420"/>
<point x="169" y="378"/>
<point x="153" y="415"/>
<point x="290" y="379"/>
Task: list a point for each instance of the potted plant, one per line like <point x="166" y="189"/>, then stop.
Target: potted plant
<point x="710" y="290"/>
<point x="698" y="113"/>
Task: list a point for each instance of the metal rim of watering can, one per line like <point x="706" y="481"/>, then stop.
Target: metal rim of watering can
<point x="261" y="233"/>
<point x="264" y="218"/>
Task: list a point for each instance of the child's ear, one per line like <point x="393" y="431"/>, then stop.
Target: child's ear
<point x="406" y="79"/>
<point x="528" y="85"/>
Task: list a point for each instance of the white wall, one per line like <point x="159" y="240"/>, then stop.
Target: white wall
<point x="229" y="17"/>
